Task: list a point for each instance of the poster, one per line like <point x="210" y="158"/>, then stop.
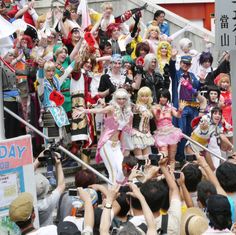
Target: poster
<point x="16" y="170"/>
<point x="11" y="184"/>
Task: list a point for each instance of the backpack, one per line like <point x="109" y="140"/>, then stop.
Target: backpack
<point x="162" y="230"/>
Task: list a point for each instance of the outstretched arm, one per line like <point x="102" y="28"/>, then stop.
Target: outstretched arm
<point x="210" y="174"/>
<point x="79" y="111"/>
<point x="150" y="220"/>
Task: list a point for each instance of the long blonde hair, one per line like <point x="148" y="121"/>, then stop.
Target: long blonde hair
<point x="145" y="91"/>
<point x="121" y="93"/>
<point x="159" y="57"/>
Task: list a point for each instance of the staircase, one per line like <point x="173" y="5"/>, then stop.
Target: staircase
<point x="176" y="22"/>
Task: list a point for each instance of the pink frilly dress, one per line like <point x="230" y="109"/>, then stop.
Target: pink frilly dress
<point x="111" y="125"/>
<point x="166" y="134"/>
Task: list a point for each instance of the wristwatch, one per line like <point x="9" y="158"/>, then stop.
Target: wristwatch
<point x="108" y="205"/>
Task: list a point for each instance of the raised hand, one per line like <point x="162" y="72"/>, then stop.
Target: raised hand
<point x="135" y="191"/>
<point x="113" y="193"/>
<point x="182" y="104"/>
<point x="174" y="53"/>
<point x="58" y="14"/>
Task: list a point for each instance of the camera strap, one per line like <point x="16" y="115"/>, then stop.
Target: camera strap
<point x="58" y="217"/>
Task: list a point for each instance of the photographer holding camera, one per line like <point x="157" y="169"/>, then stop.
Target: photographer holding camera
<point x="48" y="202"/>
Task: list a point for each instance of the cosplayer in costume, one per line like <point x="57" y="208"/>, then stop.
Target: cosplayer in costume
<point x="184" y="87"/>
<point x="167" y="136"/>
<point x="118" y="119"/>
<point x="10" y="95"/>
<point x="208" y="127"/>
<point x="141" y="136"/>
<point x="163" y="55"/>
<point x="152" y="78"/>
<point x="54" y="115"/>
<point x="116" y="78"/>
<point x="226" y="101"/>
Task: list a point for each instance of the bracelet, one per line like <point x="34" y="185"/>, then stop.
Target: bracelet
<point x="108" y="206"/>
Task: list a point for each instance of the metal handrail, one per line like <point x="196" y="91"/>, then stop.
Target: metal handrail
<point x="203" y="147"/>
<point x="59" y="147"/>
<point x="85" y="164"/>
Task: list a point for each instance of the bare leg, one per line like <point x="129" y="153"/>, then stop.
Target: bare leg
<point x="172" y="149"/>
<point x="146" y="152"/>
<point x="188" y="150"/>
<point x="85" y="158"/>
<point x="209" y="161"/>
<point x="126" y="153"/>
<point x="138" y="153"/>
<point x="164" y="150"/>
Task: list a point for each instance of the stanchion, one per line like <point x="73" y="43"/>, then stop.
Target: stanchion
<point x="59" y="147"/>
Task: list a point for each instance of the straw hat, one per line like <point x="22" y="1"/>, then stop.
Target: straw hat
<point x="193" y="222"/>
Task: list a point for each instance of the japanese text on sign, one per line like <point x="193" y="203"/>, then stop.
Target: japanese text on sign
<point x="226" y="24"/>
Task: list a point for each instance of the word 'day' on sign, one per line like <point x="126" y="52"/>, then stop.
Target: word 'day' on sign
<point x="225" y="24"/>
<point x="15" y="152"/>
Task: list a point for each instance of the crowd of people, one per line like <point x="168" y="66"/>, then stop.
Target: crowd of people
<point x="93" y="80"/>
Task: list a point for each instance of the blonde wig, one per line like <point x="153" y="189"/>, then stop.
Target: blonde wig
<point x="224" y="78"/>
<point x="163" y="44"/>
<point x="126" y="112"/>
<point x="41" y="19"/>
<point x="147" y="61"/>
<point x="106" y="5"/>
<point x="152" y="28"/>
<point x="49" y="65"/>
<point x="145" y="91"/>
<point x="60" y="50"/>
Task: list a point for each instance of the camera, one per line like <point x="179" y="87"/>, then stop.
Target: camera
<point x="190" y="157"/>
<point x="73" y="192"/>
<point x="177" y="174"/>
<point x="49" y="155"/>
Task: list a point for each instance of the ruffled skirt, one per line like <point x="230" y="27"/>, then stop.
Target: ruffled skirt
<point x="167" y="135"/>
<point x="141" y="140"/>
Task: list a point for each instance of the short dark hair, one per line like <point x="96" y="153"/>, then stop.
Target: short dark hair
<point x="205" y="57"/>
<point x="204" y="189"/>
<point x="158" y="13"/>
<point x="212" y="88"/>
<point x="142" y="46"/>
<point x="219" y="215"/>
<point x="226" y="175"/>
<point x="84" y="178"/>
<point x="216" y="110"/>
<point x="123" y="201"/>
<point x="154" y="195"/>
<point x="163" y="93"/>
<point x="193" y="176"/>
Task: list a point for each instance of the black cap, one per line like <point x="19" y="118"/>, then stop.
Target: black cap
<point x="32" y="32"/>
<point x="67" y="228"/>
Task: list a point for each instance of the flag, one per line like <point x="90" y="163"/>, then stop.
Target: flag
<point x="84" y="11"/>
<point x="6" y="28"/>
